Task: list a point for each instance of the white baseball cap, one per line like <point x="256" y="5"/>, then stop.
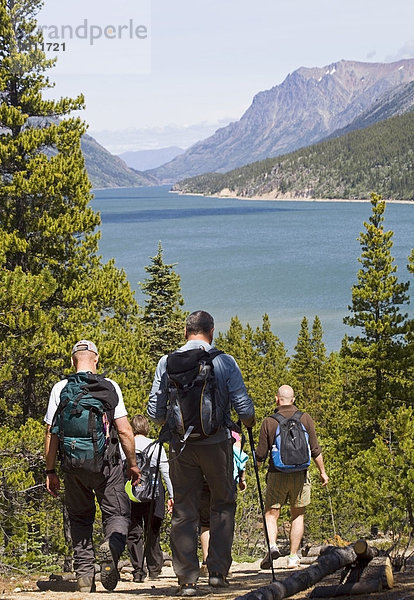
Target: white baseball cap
<point x="84" y="345"/>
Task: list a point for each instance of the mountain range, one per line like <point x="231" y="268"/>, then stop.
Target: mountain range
<point x="309" y="105"/>
<point x="144" y="160"/>
<point x="106" y="170"/>
<point x="351" y="166"/>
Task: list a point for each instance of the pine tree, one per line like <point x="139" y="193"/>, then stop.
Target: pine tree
<point x="274" y="363"/>
<point x="318" y="350"/>
<point x="379" y="352"/>
<point x="307" y="364"/>
<point x="54" y="288"/>
<point x="49" y="240"/>
<point x="389" y="462"/>
<point x="163" y="317"/>
<point x="302" y="361"/>
<point x="262" y="359"/>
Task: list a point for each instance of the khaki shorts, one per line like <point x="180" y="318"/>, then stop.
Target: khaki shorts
<point x="288" y="488"/>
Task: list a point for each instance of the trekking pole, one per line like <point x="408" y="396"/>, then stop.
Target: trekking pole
<point x="331" y="509"/>
<point x="256" y="470"/>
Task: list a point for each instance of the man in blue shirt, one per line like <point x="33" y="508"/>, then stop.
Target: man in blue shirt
<point x="210" y="458"/>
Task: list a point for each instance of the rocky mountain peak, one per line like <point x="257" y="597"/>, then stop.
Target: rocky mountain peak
<point x="307" y="106"/>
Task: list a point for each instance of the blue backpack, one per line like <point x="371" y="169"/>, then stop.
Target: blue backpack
<point x="290" y="451"/>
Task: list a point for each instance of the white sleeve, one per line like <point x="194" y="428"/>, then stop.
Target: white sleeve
<point x="120" y="410"/>
<point x="165" y="472"/>
<point x="54" y="400"/>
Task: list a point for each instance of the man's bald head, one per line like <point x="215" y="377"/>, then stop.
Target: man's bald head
<point x="285" y="395"/>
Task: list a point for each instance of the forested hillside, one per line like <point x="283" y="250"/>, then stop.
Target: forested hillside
<point x="106" y="170"/>
<point x="379" y="157"/>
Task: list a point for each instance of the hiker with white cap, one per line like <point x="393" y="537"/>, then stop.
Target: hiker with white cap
<point x="85" y="418"/>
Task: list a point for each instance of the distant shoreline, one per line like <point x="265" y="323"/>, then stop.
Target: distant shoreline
<point x="267" y="199"/>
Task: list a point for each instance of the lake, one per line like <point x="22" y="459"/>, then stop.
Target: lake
<point x="288" y="259"/>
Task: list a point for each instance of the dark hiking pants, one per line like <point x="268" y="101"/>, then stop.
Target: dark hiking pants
<point x="214" y="462"/>
<point x="80" y="491"/>
<point x="144" y="537"/>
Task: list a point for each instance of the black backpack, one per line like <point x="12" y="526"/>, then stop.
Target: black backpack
<point x="149" y="483"/>
<point x="84" y="422"/>
<point x="290" y="450"/>
<point x="193" y="411"/>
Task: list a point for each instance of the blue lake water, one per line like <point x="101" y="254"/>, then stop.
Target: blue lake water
<point x="247" y="258"/>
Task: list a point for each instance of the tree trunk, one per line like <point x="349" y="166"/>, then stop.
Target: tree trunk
<point x="315" y="550"/>
<point x="375" y="577"/>
<point x="302" y="580"/>
<point x="308" y="560"/>
<point x="379" y="568"/>
<point x="363" y="551"/>
<point x="353" y="589"/>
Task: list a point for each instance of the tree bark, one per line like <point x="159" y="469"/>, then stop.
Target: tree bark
<point x="315" y="550"/>
<point x="375" y="577"/>
<point x="308" y="560"/>
<point x="302" y="580"/>
<point x="379" y="568"/>
<point x="345" y="589"/>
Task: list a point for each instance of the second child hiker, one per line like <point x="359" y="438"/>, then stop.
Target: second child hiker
<point x="200" y="446"/>
<point x="146" y="517"/>
<point x="284" y="487"/>
<point x="85" y="415"/>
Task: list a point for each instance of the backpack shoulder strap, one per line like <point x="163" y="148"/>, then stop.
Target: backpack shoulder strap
<point x="147" y="449"/>
<point x="214" y="352"/>
<point x="297" y="415"/>
<point x="278" y="417"/>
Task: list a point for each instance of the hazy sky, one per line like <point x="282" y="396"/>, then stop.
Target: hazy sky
<point x="198" y="61"/>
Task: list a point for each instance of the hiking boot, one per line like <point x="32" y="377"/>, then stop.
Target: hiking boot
<point x="187" y="589"/>
<point x="86" y="584"/>
<point x="293" y="561"/>
<point x="154" y="574"/>
<point x="268" y="560"/>
<point x="138" y="577"/>
<point x="203" y="569"/>
<point x="109" y="570"/>
<point x="217" y="580"/>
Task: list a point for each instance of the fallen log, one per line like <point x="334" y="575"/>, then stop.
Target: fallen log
<point x="375" y="577"/>
<point x="364" y="551"/>
<point x="379" y="568"/>
<point x="308" y="560"/>
<point x="314" y="550"/>
<point x="302" y="580"/>
<point x="345" y="589"/>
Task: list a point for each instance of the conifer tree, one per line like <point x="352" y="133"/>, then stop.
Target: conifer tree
<point x="163" y="317"/>
<point x="262" y="359"/>
<point x="302" y="363"/>
<point x="318" y="350"/>
<point x="378" y="353"/>
<point x="307" y="366"/>
<point x="274" y="363"/>
<point x="389" y="462"/>
<point x="54" y="288"/>
<point x="49" y="240"/>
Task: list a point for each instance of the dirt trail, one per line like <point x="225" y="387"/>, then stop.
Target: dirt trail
<point x="244" y="578"/>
